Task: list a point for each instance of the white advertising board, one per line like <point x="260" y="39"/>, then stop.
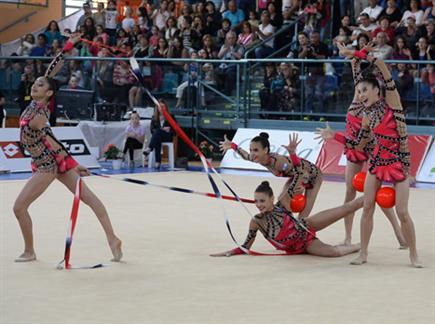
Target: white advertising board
<point x="14" y="159"/>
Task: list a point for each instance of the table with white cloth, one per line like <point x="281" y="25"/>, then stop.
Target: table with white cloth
<point x="100" y="134"/>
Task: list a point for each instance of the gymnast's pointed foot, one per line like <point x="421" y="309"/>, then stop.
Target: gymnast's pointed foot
<point x="115" y="246"/>
<point x="361" y="259"/>
<point x="415" y="262"/>
<point x="26" y="257"/>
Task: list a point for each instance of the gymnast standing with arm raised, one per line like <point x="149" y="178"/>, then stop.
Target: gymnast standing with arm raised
<point x="390" y="158"/>
<point x="357" y="153"/>
<point x="50" y="161"/>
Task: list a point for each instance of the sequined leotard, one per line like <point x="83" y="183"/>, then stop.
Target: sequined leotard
<point x="44" y="157"/>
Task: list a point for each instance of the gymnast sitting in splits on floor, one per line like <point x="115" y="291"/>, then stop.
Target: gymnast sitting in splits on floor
<point x="301" y="173"/>
<point x="291" y="235"/>
<point x="50" y="161"/>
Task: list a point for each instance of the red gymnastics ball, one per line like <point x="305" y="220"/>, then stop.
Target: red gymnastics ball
<point x="297" y="203"/>
<point x="386" y="197"/>
<point x="358" y="181"/>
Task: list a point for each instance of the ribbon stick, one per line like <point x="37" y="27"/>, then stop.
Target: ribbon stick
<point x="70" y="233"/>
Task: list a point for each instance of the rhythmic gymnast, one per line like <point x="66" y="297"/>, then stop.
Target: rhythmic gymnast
<point x="294" y="236"/>
<point x="390" y="158"/>
<point x="51" y="160"/>
<point x="357" y="155"/>
<point x="301" y="173"/>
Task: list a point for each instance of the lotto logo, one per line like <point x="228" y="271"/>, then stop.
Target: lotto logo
<point x="11" y="150"/>
<point x="76" y="146"/>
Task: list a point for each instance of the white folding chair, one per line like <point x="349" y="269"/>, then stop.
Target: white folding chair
<point x="171" y="156"/>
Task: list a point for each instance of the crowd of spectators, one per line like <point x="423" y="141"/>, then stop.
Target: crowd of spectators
<point x="227" y="29"/>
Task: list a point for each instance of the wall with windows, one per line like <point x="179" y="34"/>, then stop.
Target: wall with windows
<point x="38" y="17"/>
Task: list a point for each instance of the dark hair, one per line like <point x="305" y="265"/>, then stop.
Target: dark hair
<point x="188" y="19"/>
<point x="48" y="26"/>
<point x="264" y="187"/>
<point x="370" y="78"/>
<point x="226" y="20"/>
<point x="263" y="139"/>
<point x="362" y="35"/>
<point x="52" y="85"/>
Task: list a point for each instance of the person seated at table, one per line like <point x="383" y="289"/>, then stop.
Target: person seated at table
<point x="135" y="135"/>
<point x="161" y="131"/>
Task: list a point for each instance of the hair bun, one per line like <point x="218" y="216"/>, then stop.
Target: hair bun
<point x="265" y="183"/>
<point x="265" y="135"/>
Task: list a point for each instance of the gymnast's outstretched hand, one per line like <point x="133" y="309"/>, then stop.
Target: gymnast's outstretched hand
<point x="324" y="134"/>
<point x="82" y="171"/>
<point x="293" y="142"/>
<point x="225" y="145"/>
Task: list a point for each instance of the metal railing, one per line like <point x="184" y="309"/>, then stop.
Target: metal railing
<point x="318" y="97"/>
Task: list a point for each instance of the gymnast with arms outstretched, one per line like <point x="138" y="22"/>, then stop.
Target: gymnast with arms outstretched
<point x="302" y="174"/>
<point x="291" y="235"/>
<point x="390" y="158"/>
<point x="357" y="154"/>
<point x="50" y="161"/>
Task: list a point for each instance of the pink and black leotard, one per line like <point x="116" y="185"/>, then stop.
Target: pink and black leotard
<point x="35" y="141"/>
<point x="282" y="230"/>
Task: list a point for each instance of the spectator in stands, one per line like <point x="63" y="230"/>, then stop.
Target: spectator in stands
<point x="191" y="38"/>
<point x="429" y="31"/>
<point x="192" y="80"/>
<point x="161" y="132"/>
<point x="246" y="38"/>
<point x="24" y="89"/>
<point x="111" y="15"/>
<point x="429" y="13"/>
<point x="56" y="47"/>
<point x="144" y="21"/>
<point x="209" y="47"/>
<point x="123" y="79"/>
<point x="198" y="25"/>
<point x="27" y="44"/>
<point x="226" y="73"/>
<point x="155" y="35"/>
<point x="400" y="51"/>
<point x="362" y="40"/>
<point x="160" y="15"/>
<point x="315" y="75"/>
<point x="171" y="28"/>
<point x="373" y="10"/>
<point x="384" y="26"/>
<point x="128" y="22"/>
<point x="275" y="17"/>
<point x="266" y="98"/>
<point x="263" y="32"/>
<point x="410" y="34"/>
<point x="73" y="84"/>
<point x="247" y="5"/>
<point x="100" y="16"/>
<point x="285" y="88"/>
<point x="177" y="50"/>
<point x="221" y="34"/>
<point x="90" y="29"/>
<point x="424" y="52"/>
<point x="122" y="38"/>
<point x="199" y="9"/>
<point x="234" y="15"/>
<point x="52" y="32"/>
<point x="186" y="12"/>
<point x="100" y="33"/>
<point x="213" y="18"/>
<point x="253" y="20"/>
<point x="88" y="13"/>
<point x="413" y="11"/>
<point x="323" y="9"/>
<point x="404" y="80"/>
<point x="428" y="78"/>
<point x="382" y="50"/>
<point x="41" y="49"/>
<point x="2" y="106"/>
<point x="134" y="137"/>
<point x="161" y="51"/>
<point x="365" y="26"/>
<point x="105" y="77"/>
<point x="392" y="13"/>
